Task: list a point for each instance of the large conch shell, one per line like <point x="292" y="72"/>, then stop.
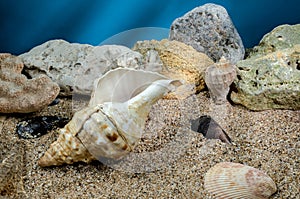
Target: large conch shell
<point x="232" y="180"/>
<point x="218" y="78"/>
<point x="113" y="122"/>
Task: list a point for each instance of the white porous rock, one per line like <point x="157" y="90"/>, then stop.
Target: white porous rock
<point x="75" y="66"/>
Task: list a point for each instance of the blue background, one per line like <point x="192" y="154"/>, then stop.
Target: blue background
<point x="25" y="24"/>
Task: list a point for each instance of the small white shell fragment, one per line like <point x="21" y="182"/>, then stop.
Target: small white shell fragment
<point x="229" y="180"/>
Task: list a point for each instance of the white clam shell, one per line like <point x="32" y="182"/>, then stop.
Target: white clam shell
<point x="232" y="180"/>
<point x="113" y="123"/>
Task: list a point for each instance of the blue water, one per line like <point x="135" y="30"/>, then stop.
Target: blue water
<point x="25" y="24"/>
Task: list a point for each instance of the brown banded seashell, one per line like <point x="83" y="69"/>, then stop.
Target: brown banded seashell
<point x="229" y="180"/>
<point x="218" y="78"/>
<point x="112" y="124"/>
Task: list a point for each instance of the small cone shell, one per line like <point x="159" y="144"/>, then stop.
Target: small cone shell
<point x="237" y="181"/>
<point x="218" y="78"/>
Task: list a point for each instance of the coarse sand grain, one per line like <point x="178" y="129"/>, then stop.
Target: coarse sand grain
<point x="169" y="162"/>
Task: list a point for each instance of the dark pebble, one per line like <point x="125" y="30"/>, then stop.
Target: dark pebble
<point x="55" y="102"/>
<point x="38" y="126"/>
<point x="209" y="128"/>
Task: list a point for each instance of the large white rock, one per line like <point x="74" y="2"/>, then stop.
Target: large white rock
<point x="75" y="66"/>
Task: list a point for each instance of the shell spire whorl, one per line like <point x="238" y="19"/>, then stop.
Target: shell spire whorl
<point x="67" y="149"/>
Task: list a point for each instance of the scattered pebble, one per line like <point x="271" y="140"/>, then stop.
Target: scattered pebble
<point x="210" y="128"/>
<point x="55" y="102"/>
<point x="38" y="126"/>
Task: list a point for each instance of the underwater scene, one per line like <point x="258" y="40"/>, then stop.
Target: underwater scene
<point x="190" y="100"/>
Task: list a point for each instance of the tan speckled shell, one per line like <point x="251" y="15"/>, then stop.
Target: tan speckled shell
<point x="232" y="180"/>
<point x="111" y="126"/>
<point x="218" y="78"/>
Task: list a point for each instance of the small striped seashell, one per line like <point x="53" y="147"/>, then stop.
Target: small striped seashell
<point x="218" y="78"/>
<point x="112" y="124"/>
<point x="229" y="180"/>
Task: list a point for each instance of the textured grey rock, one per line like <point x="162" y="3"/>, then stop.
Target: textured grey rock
<point x="209" y="29"/>
<point x="270" y="81"/>
<point x="75" y="66"/>
<point x="281" y="37"/>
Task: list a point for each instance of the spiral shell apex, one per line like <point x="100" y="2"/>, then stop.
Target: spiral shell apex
<point x="113" y="123"/>
<point x="229" y="180"/>
<point x="218" y="78"/>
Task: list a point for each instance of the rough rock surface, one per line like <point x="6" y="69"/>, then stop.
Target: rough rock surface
<point x="281" y="37"/>
<point x="75" y="66"/>
<point x="19" y="94"/>
<point x="152" y="62"/>
<point x="209" y="29"/>
<point x="270" y="81"/>
<point x="180" y="61"/>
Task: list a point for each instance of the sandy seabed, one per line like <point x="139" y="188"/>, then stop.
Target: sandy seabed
<point x="169" y="162"/>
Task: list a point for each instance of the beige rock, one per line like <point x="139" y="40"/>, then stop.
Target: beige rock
<point x="19" y="94"/>
<point x="180" y="61"/>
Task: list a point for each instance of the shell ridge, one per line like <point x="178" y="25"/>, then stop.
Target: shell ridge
<point x="80" y="118"/>
<point x="119" y="131"/>
<point x="234" y="194"/>
<point x="234" y="180"/>
<point x="98" y="135"/>
<point x="89" y="115"/>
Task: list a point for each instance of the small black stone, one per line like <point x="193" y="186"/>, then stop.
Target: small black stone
<point x="38" y="126"/>
<point x="54" y="102"/>
<point x="209" y="128"/>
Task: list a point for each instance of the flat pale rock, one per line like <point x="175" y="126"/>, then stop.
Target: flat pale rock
<point x="209" y="29"/>
<point x="180" y="61"/>
<point x="270" y="81"/>
<point x="75" y="66"/>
